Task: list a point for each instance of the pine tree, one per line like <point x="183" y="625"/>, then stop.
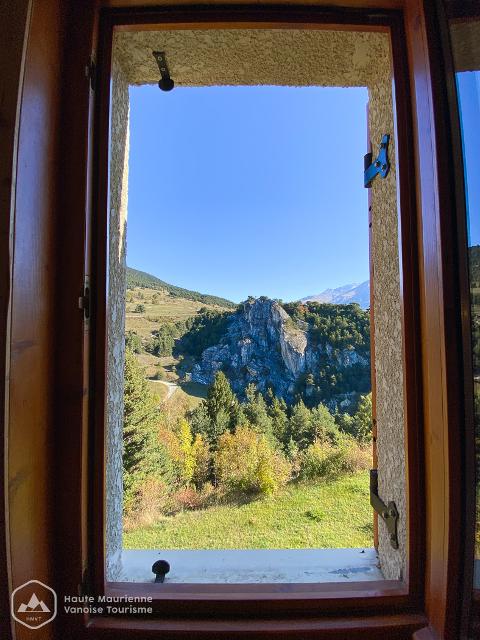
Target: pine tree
<point x="142" y="454"/>
<point x="256" y="413"/>
<point x="301" y="425"/>
<point x="278" y="415"/>
<point x="362" y="420"/>
<point x="323" y="425"/>
<point x="220" y="405"/>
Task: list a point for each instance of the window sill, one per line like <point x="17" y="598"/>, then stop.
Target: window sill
<point x="259" y="566"/>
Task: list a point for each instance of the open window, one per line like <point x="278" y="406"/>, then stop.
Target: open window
<point x="317" y="57"/>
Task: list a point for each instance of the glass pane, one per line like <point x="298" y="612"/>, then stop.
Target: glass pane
<point x="465" y="39"/>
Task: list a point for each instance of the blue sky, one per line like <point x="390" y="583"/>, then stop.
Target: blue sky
<point x="468" y="84"/>
<point x="239" y="191"/>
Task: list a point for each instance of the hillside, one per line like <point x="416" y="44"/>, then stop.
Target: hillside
<point x="136" y="278"/>
<point x="348" y="293"/>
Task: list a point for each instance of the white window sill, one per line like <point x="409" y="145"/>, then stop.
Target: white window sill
<point x="253" y="566"/>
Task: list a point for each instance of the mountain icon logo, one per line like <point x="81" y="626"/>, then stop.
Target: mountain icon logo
<point x="33" y="604"/>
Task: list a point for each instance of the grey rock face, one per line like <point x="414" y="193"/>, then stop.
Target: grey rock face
<point x="264" y="346"/>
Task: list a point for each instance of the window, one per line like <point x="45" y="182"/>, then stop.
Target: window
<point x="56" y="480"/>
<point x="193" y="53"/>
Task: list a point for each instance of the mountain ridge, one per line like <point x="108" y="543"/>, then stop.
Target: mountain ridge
<point x="346" y="294"/>
<point x="137" y="278"/>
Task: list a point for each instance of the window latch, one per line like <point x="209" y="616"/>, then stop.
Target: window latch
<point x="160" y="568"/>
<point x="388" y="512"/>
<point x="381" y="165"/>
<point x="165" y="83"/>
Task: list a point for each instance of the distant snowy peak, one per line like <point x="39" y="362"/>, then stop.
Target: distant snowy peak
<point x="359" y="293"/>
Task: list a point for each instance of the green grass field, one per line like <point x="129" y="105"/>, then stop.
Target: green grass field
<point x="165" y="309"/>
<point x="336" y="514"/>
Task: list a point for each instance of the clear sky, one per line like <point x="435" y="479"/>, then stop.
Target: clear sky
<point x="469" y="96"/>
<point x="238" y="191"/>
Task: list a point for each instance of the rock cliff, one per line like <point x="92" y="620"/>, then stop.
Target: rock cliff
<point x="265" y="346"/>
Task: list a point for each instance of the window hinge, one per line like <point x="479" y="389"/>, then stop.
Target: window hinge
<point x="388" y="513"/>
<point x="91" y="73"/>
<point x="381" y="165"/>
<point x="84" y="300"/>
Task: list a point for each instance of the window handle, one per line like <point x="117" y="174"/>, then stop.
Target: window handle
<point x="388" y="513"/>
<point x="160" y="568"/>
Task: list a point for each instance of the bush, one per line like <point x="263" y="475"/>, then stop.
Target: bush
<point x="151" y="501"/>
<point x="133" y="342"/>
<point x="202" y="457"/>
<point x="139" y="308"/>
<point x="246" y="462"/>
<point x="325" y="460"/>
<point x="189" y="498"/>
<point x="159" y="373"/>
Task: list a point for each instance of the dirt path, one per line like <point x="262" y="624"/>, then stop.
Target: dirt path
<point x="172" y="387"/>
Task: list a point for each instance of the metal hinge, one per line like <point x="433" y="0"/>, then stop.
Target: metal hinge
<point x="84" y="300"/>
<point x="380" y="166"/>
<point x="165" y="83"/>
<point x="388" y="512"/>
<point x="91" y="73"/>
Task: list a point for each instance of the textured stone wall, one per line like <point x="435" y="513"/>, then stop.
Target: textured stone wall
<point x="465" y="38"/>
<point x="388" y="329"/>
<point x="291" y="57"/>
<point x="117" y="217"/>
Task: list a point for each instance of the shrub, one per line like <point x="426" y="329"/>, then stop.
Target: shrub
<point x="245" y="461"/>
<point x="159" y="373"/>
<point x="151" y="501"/>
<point x="133" y="342"/>
<point x="187" y="498"/>
<point x="325" y="460"/>
<point x="201" y="454"/>
<point x="139" y="308"/>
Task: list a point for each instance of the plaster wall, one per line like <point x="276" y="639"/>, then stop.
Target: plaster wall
<point x="465" y="37"/>
<point x="117" y="217"/>
<point x="292" y="57"/>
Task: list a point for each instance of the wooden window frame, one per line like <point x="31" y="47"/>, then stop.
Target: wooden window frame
<point x="263" y="600"/>
<point x="54" y="441"/>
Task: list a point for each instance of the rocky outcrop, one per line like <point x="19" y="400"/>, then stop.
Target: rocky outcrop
<point x="264" y="346"/>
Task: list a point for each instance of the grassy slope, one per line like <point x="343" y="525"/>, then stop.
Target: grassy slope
<point x="166" y="309"/>
<point x="335" y="514"/>
<point x="136" y="278"/>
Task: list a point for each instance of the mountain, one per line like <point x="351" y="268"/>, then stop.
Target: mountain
<point x="318" y="352"/>
<point x="34" y="604"/>
<point x="136" y="278"/>
<point x="359" y="293"/>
